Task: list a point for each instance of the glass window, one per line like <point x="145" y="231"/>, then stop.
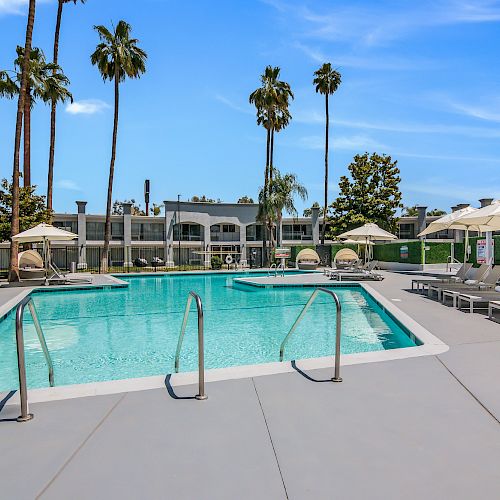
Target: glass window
<point x="148" y="231"/>
<point x="95" y="231"/>
<point x="67" y="225"/>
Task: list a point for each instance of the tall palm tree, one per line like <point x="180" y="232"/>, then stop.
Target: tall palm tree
<point x="46" y="81"/>
<point x="271" y="101"/>
<point x="283" y="190"/>
<point x="117" y="57"/>
<point x="14" y="226"/>
<point x="327" y="81"/>
<point x="55" y="60"/>
<point x="8" y="87"/>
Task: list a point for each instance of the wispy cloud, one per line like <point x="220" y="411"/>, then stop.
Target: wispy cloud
<point x="236" y="107"/>
<point x="455" y="191"/>
<point x="488" y="112"/>
<point x="379" y="23"/>
<point x="313" y="117"/>
<point x="68" y="185"/>
<point x="349" y="143"/>
<point x="86" y="107"/>
<point x="16" y="6"/>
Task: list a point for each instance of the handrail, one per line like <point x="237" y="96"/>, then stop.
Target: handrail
<point x="338" y="330"/>
<point x="21" y="363"/>
<point x="279" y="267"/>
<point x="271" y="267"/>
<point x="201" y="351"/>
<point x="449" y="260"/>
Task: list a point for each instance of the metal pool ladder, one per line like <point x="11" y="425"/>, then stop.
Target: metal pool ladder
<point x="21" y="364"/>
<point x="334" y="296"/>
<point x="201" y="354"/>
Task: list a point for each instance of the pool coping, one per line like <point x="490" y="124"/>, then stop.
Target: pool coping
<point x="431" y="345"/>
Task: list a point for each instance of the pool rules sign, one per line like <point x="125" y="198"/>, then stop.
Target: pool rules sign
<point x="481" y="251"/>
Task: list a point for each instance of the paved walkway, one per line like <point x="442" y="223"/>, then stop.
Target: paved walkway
<point x="424" y="427"/>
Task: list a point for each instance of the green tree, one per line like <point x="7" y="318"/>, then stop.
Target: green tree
<point x="410" y="211"/>
<point x="308" y="211"/>
<point x="371" y="194"/>
<point x="327" y="81"/>
<point x="14" y="246"/>
<point x="32" y="209"/>
<point x="46" y="81"/>
<point x="135" y="209"/>
<point x="203" y="199"/>
<point x="245" y="199"/>
<point x="282" y="192"/>
<point x="54" y="101"/>
<point x="271" y="101"/>
<point x="436" y="212"/>
<point x="117" y="57"/>
<point x="155" y="210"/>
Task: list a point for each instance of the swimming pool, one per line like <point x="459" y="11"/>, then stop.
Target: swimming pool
<point x="118" y="333"/>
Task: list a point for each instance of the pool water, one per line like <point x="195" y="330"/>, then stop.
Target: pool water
<point x="119" y="333"/>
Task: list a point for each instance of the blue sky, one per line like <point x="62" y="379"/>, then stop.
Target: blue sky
<point x="421" y="82"/>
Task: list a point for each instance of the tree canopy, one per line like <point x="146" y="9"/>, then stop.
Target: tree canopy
<point x="245" y="199"/>
<point x="371" y="194"/>
<point x="135" y="209"/>
<point x="308" y="211"/>
<point x="32" y="209"/>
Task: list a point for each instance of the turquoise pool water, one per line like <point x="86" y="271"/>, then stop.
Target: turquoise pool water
<point x="110" y="334"/>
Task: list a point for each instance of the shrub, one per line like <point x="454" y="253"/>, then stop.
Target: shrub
<point x="216" y="262"/>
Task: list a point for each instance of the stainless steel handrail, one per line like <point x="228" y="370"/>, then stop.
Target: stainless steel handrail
<point x="271" y="267"/>
<point x="451" y="260"/>
<point x="338" y="330"/>
<point x="21" y="363"/>
<point x="278" y="268"/>
<point x="201" y="350"/>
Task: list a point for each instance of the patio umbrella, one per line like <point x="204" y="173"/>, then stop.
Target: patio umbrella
<point x="44" y="233"/>
<point x="367" y="234"/>
<point x="462" y="220"/>
<point x="486" y="218"/>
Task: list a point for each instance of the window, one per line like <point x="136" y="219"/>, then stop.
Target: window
<point x="406" y="231"/>
<point x="95" y="231"/>
<point x="68" y="225"/>
<point x="189" y="232"/>
<point x="148" y="231"/>
<point x="297" y="231"/>
<point x="224" y="232"/>
<point x="117" y="231"/>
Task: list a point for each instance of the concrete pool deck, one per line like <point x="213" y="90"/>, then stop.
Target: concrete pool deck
<point x="425" y="427"/>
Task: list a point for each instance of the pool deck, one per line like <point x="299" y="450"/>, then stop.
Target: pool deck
<point x="424" y="427"/>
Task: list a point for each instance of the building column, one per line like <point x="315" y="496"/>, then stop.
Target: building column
<point x="127" y="234"/>
<point x="207" y="242"/>
<point x="315" y="225"/>
<point x="421" y="220"/>
<point x="82" y="235"/>
<point x="169" y="237"/>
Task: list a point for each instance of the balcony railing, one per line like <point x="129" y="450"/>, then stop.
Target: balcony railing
<point x="296" y="236"/>
<point x="224" y="236"/>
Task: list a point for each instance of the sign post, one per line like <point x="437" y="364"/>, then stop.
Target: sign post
<point x="283" y="254"/>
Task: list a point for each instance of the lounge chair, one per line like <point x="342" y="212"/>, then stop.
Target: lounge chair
<point x="473" y="277"/>
<point x="453" y="290"/>
<point x="425" y="282"/>
<point x="494" y="304"/>
<point x="478" y="300"/>
<point x="307" y="260"/>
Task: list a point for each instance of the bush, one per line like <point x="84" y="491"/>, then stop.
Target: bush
<point x="215" y="262"/>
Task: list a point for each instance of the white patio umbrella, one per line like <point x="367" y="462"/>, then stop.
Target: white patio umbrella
<point x="486" y="218"/>
<point x="44" y="233"/>
<point x="462" y="220"/>
<point x="367" y="234"/>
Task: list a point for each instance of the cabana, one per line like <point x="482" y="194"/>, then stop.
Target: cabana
<point x="307" y="259"/>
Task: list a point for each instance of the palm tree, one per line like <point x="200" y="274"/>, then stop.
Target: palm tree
<point x="327" y="81"/>
<point x="14" y="247"/>
<point x="283" y="190"/>
<point x="50" y="177"/>
<point x="8" y="87"/>
<point x="271" y="101"/>
<point x="45" y="81"/>
<point x="117" y="57"/>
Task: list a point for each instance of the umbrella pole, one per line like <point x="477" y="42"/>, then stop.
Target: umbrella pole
<point x="466" y="246"/>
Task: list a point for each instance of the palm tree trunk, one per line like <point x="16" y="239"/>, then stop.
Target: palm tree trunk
<point x="50" y="176"/>
<point x="271" y="156"/>
<point x="266" y="187"/>
<point x="14" y="247"/>
<point x="107" y="227"/>
<point x="326" y="170"/>
<point x="27" y="138"/>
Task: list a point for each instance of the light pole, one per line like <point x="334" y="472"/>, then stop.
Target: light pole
<point x="179" y="232"/>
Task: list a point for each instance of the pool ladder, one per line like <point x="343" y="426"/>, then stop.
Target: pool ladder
<point x="338" y="330"/>
<point x="21" y="363"/>
<point x="277" y="269"/>
<point x="201" y="349"/>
